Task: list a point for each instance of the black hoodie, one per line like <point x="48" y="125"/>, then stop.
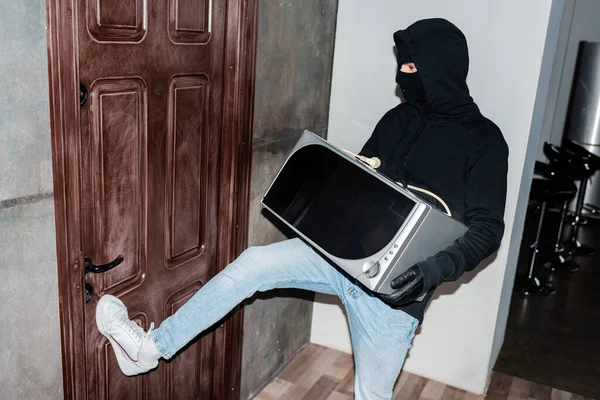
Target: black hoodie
<point x="446" y="146"/>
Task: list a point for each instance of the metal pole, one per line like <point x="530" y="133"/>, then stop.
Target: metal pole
<point x="537" y="239"/>
<point x="558" y="246"/>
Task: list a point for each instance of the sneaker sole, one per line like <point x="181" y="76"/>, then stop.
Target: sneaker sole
<point x="102" y="325"/>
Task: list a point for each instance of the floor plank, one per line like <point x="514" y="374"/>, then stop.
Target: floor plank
<point x="433" y="391"/>
<point x="277" y="387"/>
<point x="499" y="386"/>
<point x="539" y="392"/>
<point x="335" y="395"/>
<point x="473" y="396"/>
<point x="301" y="363"/>
<point x="322" y="389"/>
<point x="519" y="389"/>
<point x="412" y="389"/>
<point x="453" y="394"/>
<point x="341" y="366"/>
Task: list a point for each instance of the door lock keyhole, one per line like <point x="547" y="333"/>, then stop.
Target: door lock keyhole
<point x="83" y="94"/>
<point x="89" y="292"/>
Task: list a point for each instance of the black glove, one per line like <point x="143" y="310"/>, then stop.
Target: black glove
<point x="409" y="287"/>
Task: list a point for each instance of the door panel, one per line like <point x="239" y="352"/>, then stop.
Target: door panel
<point x="189" y="21"/>
<point x="151" y="138"/>
<point x="187" y="167"/>
<point x="116" y="20"/>
<point x="118" y="136"/>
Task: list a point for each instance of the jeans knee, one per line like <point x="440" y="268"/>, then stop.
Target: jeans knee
<point x="251" y="268"/>
<point x="250" y="256"/>
<point x="249" y="262"/>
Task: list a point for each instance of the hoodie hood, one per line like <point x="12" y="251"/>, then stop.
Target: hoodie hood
<point x="439" y="50"/>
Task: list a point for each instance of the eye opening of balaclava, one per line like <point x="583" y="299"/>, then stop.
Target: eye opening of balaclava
<point x="410" y="83"/>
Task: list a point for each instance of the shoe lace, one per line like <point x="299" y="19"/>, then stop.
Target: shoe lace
<point x="134" y="329"/>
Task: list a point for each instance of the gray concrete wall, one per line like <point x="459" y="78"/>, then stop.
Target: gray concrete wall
<point x="293" y="79"/>
<point x="30" y="358"/>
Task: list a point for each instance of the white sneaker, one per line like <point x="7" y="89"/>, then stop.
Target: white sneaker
<point x="134" y="348"/>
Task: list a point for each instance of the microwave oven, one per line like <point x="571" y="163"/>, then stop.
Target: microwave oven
<point x="368" y="225"/>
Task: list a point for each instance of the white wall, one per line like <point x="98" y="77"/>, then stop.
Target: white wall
<point x="544" y="96"/>
<point x="457" y="343"/>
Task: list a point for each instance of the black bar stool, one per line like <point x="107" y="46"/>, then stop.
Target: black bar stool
<point x="557" y="258"/>
<point x="579" y="168"/>
<point x="545" y="191"/>
<point x="594" y="163"/>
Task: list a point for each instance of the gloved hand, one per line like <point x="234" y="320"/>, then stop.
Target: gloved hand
<point x="409" y="287"/>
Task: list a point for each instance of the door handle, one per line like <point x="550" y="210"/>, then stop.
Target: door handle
<point x="97" y="269"/>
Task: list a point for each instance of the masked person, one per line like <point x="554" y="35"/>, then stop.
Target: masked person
<point x="436" y="140"/>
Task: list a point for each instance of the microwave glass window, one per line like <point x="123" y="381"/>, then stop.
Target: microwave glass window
<point x="346" y="211"/>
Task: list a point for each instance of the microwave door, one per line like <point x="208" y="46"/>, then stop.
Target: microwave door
<point x="333" y="203"/>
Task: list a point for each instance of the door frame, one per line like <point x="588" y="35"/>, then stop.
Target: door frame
<point x="238" y="104"/>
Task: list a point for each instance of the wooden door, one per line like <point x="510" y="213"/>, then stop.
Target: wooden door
<point x="156" y="183"/>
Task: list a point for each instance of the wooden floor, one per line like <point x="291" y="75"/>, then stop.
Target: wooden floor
<point x="319" y="373"/>
<point x="556" y="340"/>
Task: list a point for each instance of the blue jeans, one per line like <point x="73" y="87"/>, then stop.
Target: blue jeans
<point x="381" y="335"/>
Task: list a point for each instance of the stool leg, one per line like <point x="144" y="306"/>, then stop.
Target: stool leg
<point x="558" y="247"/>
<point x="559" y="260"/>
<point x="578" y="209"/>
<point x="533" y="285"/>
<point x="537" y="240"/>
<point x="591" y="208"/>
<point x="576" y="248"/>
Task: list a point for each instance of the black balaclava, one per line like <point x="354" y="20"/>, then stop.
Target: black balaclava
<point x="410" y="83"/>
<point x="439" y="50"/>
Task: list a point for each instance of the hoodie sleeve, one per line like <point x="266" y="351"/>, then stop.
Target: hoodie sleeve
<point x="485" y="198"/>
